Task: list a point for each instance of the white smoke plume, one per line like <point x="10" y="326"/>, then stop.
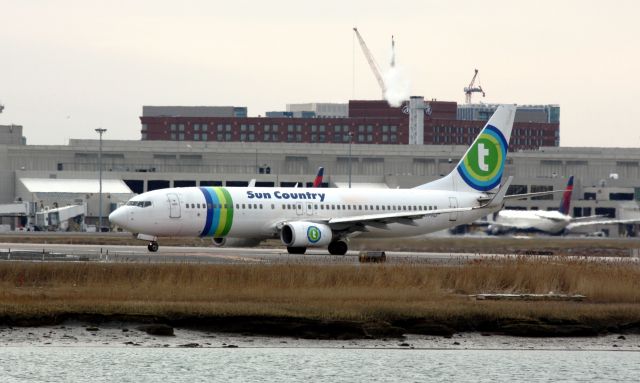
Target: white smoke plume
<point x="396" y="81"/>
<point x="397" y="85"/>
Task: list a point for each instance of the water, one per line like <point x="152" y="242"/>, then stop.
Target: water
<point x="313" y="364"/>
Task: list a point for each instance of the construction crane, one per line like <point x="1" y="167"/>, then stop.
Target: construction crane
<point x="372" y="62"/>
<point x="469" y="90"/>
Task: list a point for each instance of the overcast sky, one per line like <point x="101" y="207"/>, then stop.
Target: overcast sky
<point x="68" y="67"/>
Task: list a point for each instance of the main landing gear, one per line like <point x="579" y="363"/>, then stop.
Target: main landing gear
<point x="153" y="246"/>
<point x="338" y="248"/>
<point x="335" y="248"/>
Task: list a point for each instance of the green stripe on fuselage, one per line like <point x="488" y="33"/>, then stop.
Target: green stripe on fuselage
<point x="229" y="212"/>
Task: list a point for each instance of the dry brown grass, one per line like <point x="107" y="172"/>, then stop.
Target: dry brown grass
<point x="331" y="292"/>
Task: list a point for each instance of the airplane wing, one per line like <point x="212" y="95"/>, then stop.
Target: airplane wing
<point x="589" y="218"/>
<point x="525" y="195"/>
<point x="602" y="222"/>
<point x="380" y="221"/>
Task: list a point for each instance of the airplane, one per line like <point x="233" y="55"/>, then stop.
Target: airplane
<point x="554" y="222"/>
<point x="329" y="217"/>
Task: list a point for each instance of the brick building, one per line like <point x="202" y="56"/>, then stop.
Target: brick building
<point x="368" y="122"/>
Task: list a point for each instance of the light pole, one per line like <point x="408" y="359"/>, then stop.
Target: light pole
<point x="100" y="131"/>
<point x="350" y="141"/>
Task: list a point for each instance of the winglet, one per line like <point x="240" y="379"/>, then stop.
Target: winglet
<point x="498" y="198"/>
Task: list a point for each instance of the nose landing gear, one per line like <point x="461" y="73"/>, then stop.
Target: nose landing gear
<point x="153" y="241"/>
<point x="153" y="246"/>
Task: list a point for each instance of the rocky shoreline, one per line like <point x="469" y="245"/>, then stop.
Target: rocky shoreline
<point x="336" y="329"/>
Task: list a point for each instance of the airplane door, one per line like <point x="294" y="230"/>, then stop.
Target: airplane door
<point x="453" y="203"/>
<point x="309" y="208"/>
<point x="299" y="208"/>
<point x="174" y="205"/>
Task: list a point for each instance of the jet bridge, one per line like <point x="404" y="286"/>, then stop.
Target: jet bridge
<point x="62" y="218"/>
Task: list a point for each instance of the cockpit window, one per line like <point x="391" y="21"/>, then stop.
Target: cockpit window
<point x="139" y="203"/>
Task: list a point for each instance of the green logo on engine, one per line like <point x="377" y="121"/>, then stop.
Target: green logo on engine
<point x="313" y="234"/>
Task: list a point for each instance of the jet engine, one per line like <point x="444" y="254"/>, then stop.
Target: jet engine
<point x="305" y="234"/>
<point x="235" y="242"/>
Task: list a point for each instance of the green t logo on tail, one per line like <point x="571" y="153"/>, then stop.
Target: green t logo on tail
<point x="483" y="165"/>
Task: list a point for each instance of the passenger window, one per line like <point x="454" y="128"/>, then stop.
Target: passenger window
<point x="315" y="207"/>
<point x="338" y="207"/>
<point x="186" y="205"/>
<point x="237" y="206"/>
<point x="273" y="206"/>
<point x="260" y="206"/>
<point x="382" y="207"/>
<point x="249" y="206"/>
<point x="283" y="206"/>
<point x="289" y="206"/>
<point x="333" y="207"/>
<point x="243" y="206"/>
<point x="366" y="207"/>
<point x="359" y="207"/>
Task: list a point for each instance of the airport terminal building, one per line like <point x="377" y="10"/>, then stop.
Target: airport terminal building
<point x="607" y="179"/>
<point x="45" y="177"/>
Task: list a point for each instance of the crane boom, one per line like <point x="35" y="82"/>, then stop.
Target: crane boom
<point x="469" y="90"/>
<point x="372" y="62"/>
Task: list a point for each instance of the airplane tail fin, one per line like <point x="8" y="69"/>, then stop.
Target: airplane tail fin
<point x="481" y="168"/>
<point x="318" y="181"/>
<point x="566" y="198"/>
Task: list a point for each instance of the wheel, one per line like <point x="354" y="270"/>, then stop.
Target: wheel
<point x="296" y="250"/>
<point x="153" y="246"/>
<point x="338" y="248"/>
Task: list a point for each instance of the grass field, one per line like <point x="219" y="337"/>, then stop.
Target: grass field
<point x="454" y="244"/>
<point x="359" y="292"/>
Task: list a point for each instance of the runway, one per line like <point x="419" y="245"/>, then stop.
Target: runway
<point x="232" y="255"/>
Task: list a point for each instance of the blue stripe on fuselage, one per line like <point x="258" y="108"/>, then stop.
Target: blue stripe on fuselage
<point x="215" y="219"/>
<point x="207" y="224"/>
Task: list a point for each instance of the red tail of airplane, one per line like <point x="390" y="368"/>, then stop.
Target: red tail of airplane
<point x="318" y="181"/>
<point x="566" y="198"/>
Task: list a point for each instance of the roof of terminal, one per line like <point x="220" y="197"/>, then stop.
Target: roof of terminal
<point x="56" y="185"/>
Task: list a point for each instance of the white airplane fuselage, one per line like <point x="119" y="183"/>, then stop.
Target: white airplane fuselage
<point x="552" y="222"/>
<point x="241" y="212"/>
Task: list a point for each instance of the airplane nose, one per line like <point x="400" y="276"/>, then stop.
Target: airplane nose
<point x="117" y="217"/>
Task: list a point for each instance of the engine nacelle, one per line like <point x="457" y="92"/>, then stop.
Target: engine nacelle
<point x="235" y="242"/>
<point x="305" y="234"/>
